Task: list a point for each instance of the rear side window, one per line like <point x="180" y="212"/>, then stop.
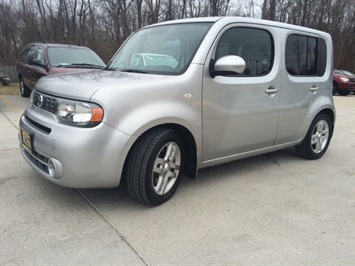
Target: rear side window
<point x="254" y="45"/>
<point x="305" y="55"/>
<point x="322" y="57"/>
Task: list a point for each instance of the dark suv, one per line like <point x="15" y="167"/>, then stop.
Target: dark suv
<point x="42" y="59"/>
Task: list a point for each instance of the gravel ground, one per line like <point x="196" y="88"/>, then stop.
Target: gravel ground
<point x="13" y="89"/>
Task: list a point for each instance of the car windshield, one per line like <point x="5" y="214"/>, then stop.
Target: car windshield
<point x="347" y="73"/>
<point x="74" y="57"/>
<point x="165" y="49"/>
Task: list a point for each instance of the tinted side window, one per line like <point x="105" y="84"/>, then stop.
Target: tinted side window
<point x="31" y="54"/>
<point x="24" y="54"/>
<point x="322" y="52"/>
<point x="305" y="56"/>
<point x="255" y="46"/>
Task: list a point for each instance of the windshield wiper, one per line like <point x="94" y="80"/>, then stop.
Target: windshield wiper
<point x="110" y="68"/>
<point x="134" y="71"/>
<point x="81" y="65"/>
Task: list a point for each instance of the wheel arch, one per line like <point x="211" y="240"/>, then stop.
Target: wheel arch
<point x="189" y="141"/>
<point x="314" y="146"/>
<point x="329" y="112"/>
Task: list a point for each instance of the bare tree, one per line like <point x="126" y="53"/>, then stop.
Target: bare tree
<point x="104" y="24"/>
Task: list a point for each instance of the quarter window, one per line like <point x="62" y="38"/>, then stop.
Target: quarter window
<point x="305" y="56"/>
<point x="255" y="46"/>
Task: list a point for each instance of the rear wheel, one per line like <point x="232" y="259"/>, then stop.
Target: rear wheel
<point x="24" y="90"/>
<point x="154" y="166"/>
<point x="317" y="139"/>
<point x="335" y="88"/>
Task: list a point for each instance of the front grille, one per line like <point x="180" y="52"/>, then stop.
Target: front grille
<point x="45" y="102"/>
<point x="38" y="159"/>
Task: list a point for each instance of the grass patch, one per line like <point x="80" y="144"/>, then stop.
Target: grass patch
<point x="12" y="89"/>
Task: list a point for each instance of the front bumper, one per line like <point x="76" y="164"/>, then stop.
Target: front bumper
<point x="71" y="156"/>
<point x="346" y="87"/>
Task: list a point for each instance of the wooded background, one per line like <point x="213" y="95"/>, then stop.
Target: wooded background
<point x="103" y="25"/>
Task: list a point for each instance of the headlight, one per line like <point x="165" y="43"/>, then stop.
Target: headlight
<point x="344" y="79"/>
<point x="79" y="113"/>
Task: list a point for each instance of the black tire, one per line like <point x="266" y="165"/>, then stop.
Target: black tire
<point x="146" y="160"/>
<point x="343" y="93"/>
<point x="335" y="88"/>
<point x="317" y="140"/>
<point x="24" y="90"/>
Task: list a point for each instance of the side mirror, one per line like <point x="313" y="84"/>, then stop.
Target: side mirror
<point x="38" y="62"/>
<point x="225" y="64"/>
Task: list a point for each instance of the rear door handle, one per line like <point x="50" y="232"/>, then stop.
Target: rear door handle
<point x="314" y="89"/>
<point x="271" y="91"/>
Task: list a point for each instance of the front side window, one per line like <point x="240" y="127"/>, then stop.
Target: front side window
<point x="165" y="49"/>
<point x="40" y="55"/>
<point x="254" y="45"/>
<point x="24" y="54"/>
<point x="31" y="54"/>
<point x="305" y="55"/>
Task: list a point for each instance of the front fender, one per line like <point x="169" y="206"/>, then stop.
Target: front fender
<point x="177" y="115"/>
<point x="151" y="115"/>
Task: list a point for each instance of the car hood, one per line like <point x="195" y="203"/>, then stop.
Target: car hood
<point x="81" y="86"/>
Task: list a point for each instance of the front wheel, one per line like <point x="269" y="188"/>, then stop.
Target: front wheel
<point x="24" y="90"/>
<point x="317" y="139"/>
<point x="343" y="93"/>
<point x="154" y="166"/>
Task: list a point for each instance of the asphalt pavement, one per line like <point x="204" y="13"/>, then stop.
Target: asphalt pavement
<point x="274" y="209"/>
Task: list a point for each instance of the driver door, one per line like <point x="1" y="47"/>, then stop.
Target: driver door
<point x="240" y="111"/>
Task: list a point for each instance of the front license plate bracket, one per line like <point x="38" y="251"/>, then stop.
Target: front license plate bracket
<point x="27" y="140"/>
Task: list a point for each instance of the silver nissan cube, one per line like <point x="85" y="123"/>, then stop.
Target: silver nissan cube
<point x="179" y="96"/>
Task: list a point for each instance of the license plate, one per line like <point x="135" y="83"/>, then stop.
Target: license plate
<point x="26" y="139"/>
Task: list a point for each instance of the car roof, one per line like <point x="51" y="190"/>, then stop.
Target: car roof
<point x="58" y="45"/>
<point x="230" y="19"/>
